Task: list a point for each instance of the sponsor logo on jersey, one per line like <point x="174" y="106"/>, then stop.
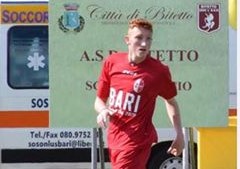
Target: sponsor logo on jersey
<point x="125" y="102"/>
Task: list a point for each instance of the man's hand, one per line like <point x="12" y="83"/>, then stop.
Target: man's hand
<point x="103" y="117"/>
<point x="177" y="146"/>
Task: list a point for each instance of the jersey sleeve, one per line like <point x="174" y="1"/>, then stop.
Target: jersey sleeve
<point x="104" y="81"/>
<point x="168" y="88"/>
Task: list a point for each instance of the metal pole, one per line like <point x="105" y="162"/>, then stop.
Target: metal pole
<point x="94" y="149"/>
<point x="101" y="148"/>
<point x="192" y="152"/>
<point x="186" y="149"/>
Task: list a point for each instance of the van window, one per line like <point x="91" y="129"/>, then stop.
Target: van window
<point x="28" y="57"/>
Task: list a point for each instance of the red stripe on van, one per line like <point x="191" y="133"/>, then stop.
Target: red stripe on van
<point x="24" y="118"/>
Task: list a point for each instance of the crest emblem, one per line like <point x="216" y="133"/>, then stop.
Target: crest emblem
<point x="208" y="17"/>
<point x="138" y="85"/>
<point x="71" y="20"/>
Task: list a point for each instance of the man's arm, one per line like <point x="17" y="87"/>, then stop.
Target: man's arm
<point x="99" y="104"/>
<point x="175" y="118"/>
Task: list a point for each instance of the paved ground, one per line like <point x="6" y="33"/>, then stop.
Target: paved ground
<point x="50" y="166"/>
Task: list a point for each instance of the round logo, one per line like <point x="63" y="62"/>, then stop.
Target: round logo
<point x="138" y="85"/>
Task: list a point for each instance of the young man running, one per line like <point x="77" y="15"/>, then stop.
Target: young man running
<point x="128" y="87"/>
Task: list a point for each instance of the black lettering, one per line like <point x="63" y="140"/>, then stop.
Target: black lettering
<point x="175" y="55"/>
<point x="192" y="55"/>
<point x="133" y="15"/>
<point x="85" y="56"/>
<point x="184" y="86"/>
<point x="46" y="103"/>
<point x="99" y="54"/>
<point x="90" y="85"/>
<point x="112" y="51"/>
<point x="39" y="103"/>
<point x="33" y="103"/>
<point x="170" y="55"/>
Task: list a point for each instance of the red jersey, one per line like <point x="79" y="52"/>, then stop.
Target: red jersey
<point x="132" y="90"/>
